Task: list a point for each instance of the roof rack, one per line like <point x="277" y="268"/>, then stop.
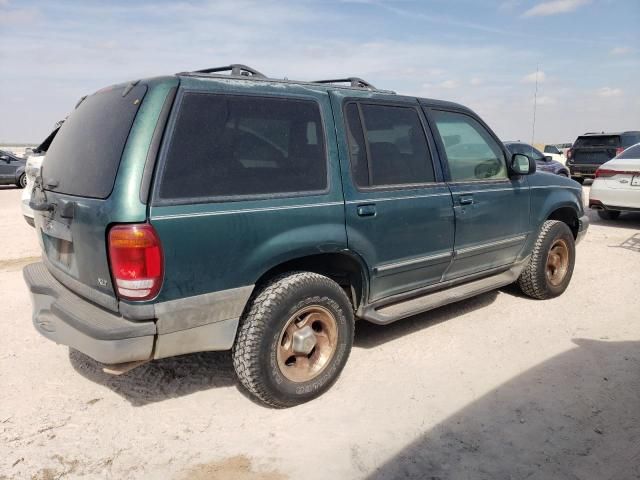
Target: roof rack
<point x="352" y="81"/>
<point x="236" y="69"/>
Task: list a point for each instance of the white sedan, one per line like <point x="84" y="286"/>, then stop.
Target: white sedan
<point x="616" y="187"/>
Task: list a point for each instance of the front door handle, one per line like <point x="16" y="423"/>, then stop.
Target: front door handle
<point x="466" y="200"/>
<point x="367" y="210"/>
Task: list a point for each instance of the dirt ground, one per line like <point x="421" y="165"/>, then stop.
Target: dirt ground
<point x="495" y="387"/>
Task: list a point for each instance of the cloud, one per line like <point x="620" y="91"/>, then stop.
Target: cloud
<point x="620" y="50"/>
<point x="18" y="16"/>
<point x="531" y="78"/>
<point x="448" y="84"/>
<point x="554" y="7"/>
<point x="609" y="92"/>
<point x="475" y="81"/>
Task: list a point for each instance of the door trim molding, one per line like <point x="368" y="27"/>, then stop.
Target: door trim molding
<point x="396" y="267"/>
<point x="489" y="246"/>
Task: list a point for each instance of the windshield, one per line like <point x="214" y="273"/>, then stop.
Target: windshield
<point x="84" y="156"/>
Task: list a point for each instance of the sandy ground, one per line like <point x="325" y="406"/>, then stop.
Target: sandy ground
<point x="495" y="387"/>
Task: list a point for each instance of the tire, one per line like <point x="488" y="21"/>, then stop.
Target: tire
<point x="22" y="181"/>
<point x="548" y="272"/>
<point x="608" y="214"/>
<point x="264" y="349"/>
<point x="580" y="180"/>
<point x="564" y="174"/>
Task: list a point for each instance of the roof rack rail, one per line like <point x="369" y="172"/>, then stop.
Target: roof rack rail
<point x="353" y="81"/>
<point x="236" y="69"/>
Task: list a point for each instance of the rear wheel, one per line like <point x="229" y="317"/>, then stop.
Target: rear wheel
<point x="22" y="181"/>
<point x="294" y="340"/>
<point x="550" y="267"/>
<point x="608" y="214"/>
<point x="580" y="180"/>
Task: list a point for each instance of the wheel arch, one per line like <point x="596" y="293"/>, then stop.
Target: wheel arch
<point x="344" y="267"/>
<point x="568" y="215"/>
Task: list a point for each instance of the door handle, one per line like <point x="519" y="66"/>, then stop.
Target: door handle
<point x="466" y="200"/>
<point x="367" y="210"/>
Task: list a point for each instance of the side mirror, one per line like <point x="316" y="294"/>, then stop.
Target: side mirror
<point x="522" y="164"/>
<point x="548" y="158"/>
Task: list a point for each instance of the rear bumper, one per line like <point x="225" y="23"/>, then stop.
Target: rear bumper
<point x="583" y="226"/>
<point x="194" y="324"/>
<point x="62" y="316"/>
<point x="583" y="171"/>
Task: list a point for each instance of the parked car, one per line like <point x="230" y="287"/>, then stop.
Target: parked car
<point x="563" y="147"/>
<point x="544" y="163"/>
<point x="12" y="169"/>
<point x="32" y="171"/>
<point x="214" y="211"/>
<point x="551" y="151"/>
<point x="616" y="187"/>
<point x="591" y="150"/>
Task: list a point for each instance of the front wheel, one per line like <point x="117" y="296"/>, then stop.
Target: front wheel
<point x="608" y="214"/>
<point x="550" y="267"/>
<point x="294" y="340"/>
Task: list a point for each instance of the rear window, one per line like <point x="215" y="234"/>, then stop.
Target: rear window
<point x="228" y="146"/>
<point x="83" y="158"/>
<point x="598" y="141"/>
<point x="631" y="152"/>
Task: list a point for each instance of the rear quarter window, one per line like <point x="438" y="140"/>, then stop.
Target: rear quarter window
<point x="237" y="146"/>
<point x="84" y="156"/>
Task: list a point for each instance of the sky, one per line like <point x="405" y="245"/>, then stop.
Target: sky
<point x="481" y="53"/>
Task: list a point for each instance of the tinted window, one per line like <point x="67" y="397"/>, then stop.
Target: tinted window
<point x="525" y="149"/>
<point x="598" y="141"/>
<point x="391" y="149"/>
<point x="84" y="156"/>
<point x="551" y="149"/>
<point x="227" y="145"/>
<point x="472" y="154"/>
<point x="628" y="140"/>
<point x="631" y="152"/>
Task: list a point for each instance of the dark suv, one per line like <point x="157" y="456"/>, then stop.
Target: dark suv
<point x="212" y="211"/>
<point x="591" y="150"/>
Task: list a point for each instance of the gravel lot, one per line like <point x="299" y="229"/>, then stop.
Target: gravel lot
<point x="495" y="387"/>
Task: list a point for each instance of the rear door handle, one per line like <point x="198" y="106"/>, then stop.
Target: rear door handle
<point x="367" y="210"/>
<point x="466" y="200"/>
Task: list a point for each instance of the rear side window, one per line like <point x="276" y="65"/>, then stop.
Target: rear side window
<point x="631" y="152"/>
<point x="84" y="156"/>
<point x="391" y="149"/>
<point x="551" y="149"/>
<point x="598" y="141"/>
<point x="628" y="140"/>
<point x="225" y="145"/>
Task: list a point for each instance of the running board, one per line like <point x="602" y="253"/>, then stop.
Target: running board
<point x="406" y="308"/>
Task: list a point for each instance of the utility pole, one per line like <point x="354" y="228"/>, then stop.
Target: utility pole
<point x="535" y="104"/>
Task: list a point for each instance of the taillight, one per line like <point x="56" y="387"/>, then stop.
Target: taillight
<point x="570" y="153"/>
<point x="135" y="257"/>
<point x="602" y="172"/>
<point x="619" y="150"/>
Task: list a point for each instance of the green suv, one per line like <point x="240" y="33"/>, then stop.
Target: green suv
<point x="224" y="210"/>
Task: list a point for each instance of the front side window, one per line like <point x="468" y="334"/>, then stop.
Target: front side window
<point x="225" y="145"/>
<point x="472" y="153"/>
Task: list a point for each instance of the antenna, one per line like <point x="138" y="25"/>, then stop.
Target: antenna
<point x="535" y="104"/>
